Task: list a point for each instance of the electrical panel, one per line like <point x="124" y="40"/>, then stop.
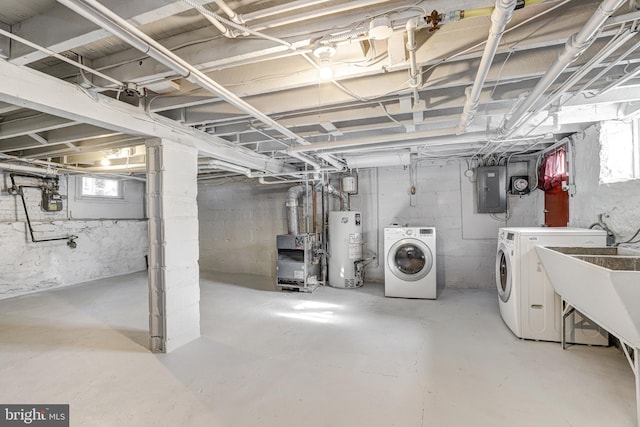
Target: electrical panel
<point x="492" y="189"/>
<point x="51" y="201"/>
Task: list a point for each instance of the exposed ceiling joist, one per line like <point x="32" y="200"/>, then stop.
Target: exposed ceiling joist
<point x="77" y="32"/>
<point x="31" y="89"/>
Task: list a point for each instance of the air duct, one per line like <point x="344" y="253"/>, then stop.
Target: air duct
<point x="292" y="203"/>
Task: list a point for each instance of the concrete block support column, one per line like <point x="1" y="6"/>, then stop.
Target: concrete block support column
<point x="174" y="289"/>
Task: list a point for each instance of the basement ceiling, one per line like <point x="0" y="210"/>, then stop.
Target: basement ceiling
<point x="240" y="80"/>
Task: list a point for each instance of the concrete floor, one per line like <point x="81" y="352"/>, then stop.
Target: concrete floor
<point x="331" y="358"/>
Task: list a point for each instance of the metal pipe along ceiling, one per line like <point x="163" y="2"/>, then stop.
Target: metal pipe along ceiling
<point x="500" y="17"/>
<point x="576" y="45"/>
<point x="105" y="18"/>
<point x="605" y="53"/>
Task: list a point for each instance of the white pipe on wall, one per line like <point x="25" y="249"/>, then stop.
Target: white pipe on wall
<point x="500" y="17"/>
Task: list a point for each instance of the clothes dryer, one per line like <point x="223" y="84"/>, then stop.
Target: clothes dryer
<point x="410" y="262"/>
<point x="528" y="303"/>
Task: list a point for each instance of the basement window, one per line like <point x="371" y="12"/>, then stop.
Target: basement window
<point x="619" y="151"/>
<point x="101" y="188"/>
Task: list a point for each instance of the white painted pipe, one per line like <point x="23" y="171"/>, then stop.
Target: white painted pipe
<point x="281" y="9"/>
<point x="229" y="12"/>
<point x="119" y="31"/>
<point x="378" y="160"/>
<point x="223" y="30"/>
<point x="634" y="73"/>
<point x="373" y="140"/>
<point x="575" y="46"/>
<point x="608" y="68"/>
<point x="414" y="77"/>
<point x="263" y="181"/>
<point x="310" y="14"/>
<point x="50" y="168"/>
<point x="229" y="167"/>
<point x="60" y="57"/>
<point x="290" y="174"/>
<point x="105" y="18"/>
<point x="306" y="159"/>
<point x="584" y="70"/>
<point x="199" y="6"/>
<point x="28" y="169"/>
<point x="500" y="17"/>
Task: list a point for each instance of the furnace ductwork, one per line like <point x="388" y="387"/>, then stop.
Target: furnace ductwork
<point x="292" y="203"/>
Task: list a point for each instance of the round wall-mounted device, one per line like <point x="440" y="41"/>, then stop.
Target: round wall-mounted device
<point x="519" y="185"/>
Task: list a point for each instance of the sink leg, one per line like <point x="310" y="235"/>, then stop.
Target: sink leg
<point x="626" y="348"/>
<point x="567" y="309"/>
<point x="637" y="374"/>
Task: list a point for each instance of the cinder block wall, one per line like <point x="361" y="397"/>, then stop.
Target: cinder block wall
<point x="105" y="247"/>
<point x="239" y="221"/>
<point x="619" y="201"/>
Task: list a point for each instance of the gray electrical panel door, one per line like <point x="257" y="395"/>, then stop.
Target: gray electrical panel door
<point x="492" y="189"/>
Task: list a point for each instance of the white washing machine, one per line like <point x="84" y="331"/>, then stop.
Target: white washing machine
<point x="528" y="303"/>
<point x="410" y="262"/>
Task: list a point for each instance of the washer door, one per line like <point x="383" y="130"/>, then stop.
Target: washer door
<point x="503" y="272"/>
<point x="410" y="259"/>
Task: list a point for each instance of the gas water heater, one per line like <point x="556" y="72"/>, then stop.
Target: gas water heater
<point x="345" y="249"/>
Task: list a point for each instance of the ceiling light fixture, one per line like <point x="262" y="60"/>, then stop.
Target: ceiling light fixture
<point x="324" y="53"/>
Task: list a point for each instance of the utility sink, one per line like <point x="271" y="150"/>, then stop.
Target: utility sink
<point x="602" y="283"/>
